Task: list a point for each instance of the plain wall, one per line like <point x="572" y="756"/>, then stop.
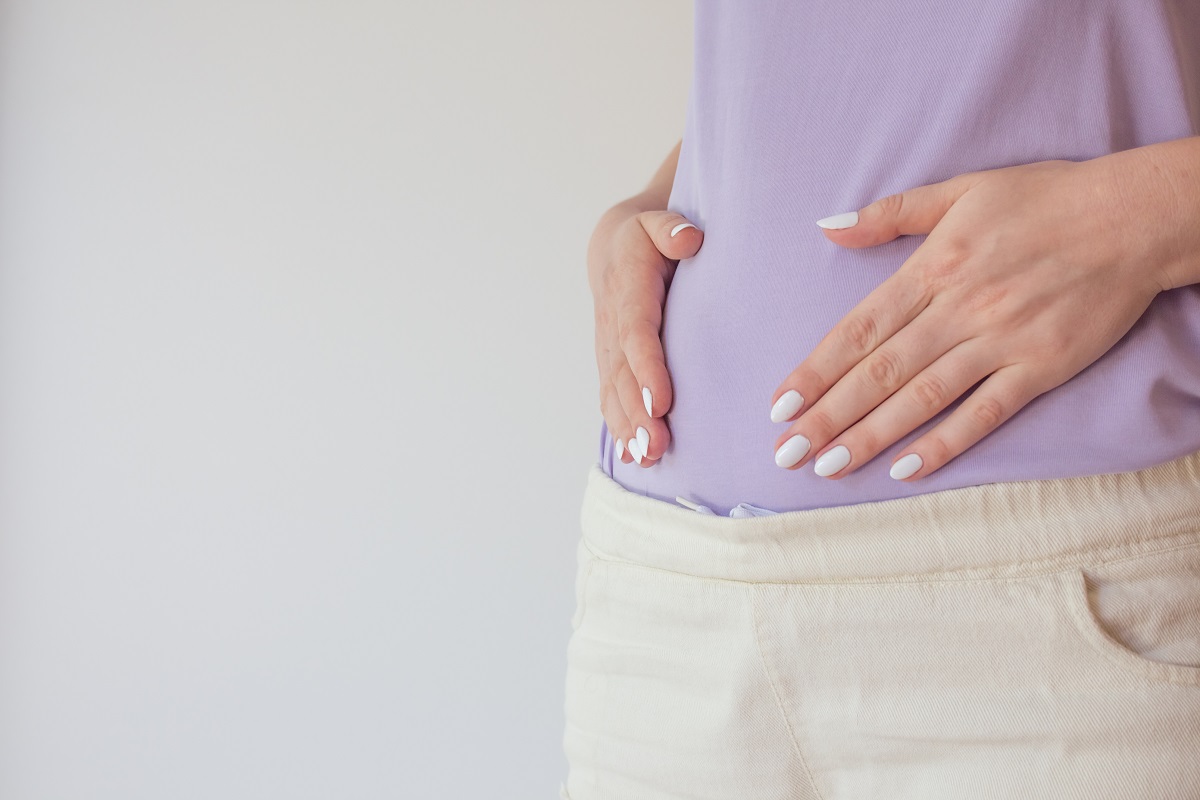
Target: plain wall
<point x="297" y="387"/>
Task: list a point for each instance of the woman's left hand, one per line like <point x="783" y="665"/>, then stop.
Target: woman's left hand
<point x="1028" y="275"/>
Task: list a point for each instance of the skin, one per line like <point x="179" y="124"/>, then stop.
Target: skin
<point x="1028" y="274"/>
<point x="631" y="260"/>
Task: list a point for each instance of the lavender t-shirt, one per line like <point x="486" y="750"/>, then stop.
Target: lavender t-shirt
<point x="799" y="110"/>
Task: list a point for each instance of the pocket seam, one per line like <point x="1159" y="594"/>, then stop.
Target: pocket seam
<point x="1089" y="628"/>
<point x="1146" y="553"/>
<point x="584" y="576"/>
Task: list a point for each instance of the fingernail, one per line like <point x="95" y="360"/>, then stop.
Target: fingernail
<point x="786" y="406"/>
<point x="643" y="440"/>
<point x="839" y="221"/>
<point x="620" y="449"/>
<point x="791" y="451"/>
<point x="635" y="451"/>
<point x="906" y="467"/>
<point x="833" y="461"/>
<point x="647" y="400"/>
<point x="680" y="227"/>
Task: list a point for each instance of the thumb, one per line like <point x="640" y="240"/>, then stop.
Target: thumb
<point x="673" y="234"/>
<point x="913" y="211"/>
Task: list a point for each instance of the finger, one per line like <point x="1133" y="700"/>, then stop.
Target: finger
<point x="603" y="340"/>
<point x="610" y="402"/>
<point x="639" y="340"/>
<point x="886" y="310"/>
<point x="650" y="434"/>
<point x="642" y="283"/>
<point x="921" y="399"/>
<point x="872" y="381"/>
<point x="914" y="211"/>
<point x="674" y="235"/>
<point x="614" y="416"/>
<point x="1003" y="394"/>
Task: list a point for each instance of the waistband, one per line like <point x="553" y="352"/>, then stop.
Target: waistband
<point x="990" y="530"/>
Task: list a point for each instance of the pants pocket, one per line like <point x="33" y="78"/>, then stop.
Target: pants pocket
<point x="1142" y="612"/>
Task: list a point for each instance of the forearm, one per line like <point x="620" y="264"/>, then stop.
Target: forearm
<point x="657" y="192"/>
<point x="1159" y="188"/>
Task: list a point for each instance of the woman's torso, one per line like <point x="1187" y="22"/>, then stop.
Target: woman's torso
<point x="799" y="110"/>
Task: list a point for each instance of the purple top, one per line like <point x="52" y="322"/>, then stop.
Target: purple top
<point x="800" y="110"/>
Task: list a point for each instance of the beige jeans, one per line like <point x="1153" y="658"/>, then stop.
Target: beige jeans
<point x="1032" y="639"/>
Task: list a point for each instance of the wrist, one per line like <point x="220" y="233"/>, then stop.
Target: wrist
<point x="1163" y="182"/>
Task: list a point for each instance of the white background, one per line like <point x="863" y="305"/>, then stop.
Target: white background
<point x="297" y="390"/>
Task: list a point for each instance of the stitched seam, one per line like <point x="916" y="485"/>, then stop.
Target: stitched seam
<point x="775" y="693"/>
<point x="1146" y="554"/>
<point x="1127" y="661"/>
<point x="1030" y="569"/>
<point x="1092" y="632"/>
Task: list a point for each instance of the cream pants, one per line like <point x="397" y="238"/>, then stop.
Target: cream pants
<point x="1032" y="639"/>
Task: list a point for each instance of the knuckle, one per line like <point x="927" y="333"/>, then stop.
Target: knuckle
<point x="867" y="441"/>
<point x="988" y="245"/>
<point x="628" y="239"/>
<point x="938" y="262"/>
<point x="988" y="412"/>
<point x="632" y="331"/>
<point x="934" y="450"/>
<point x="931" y="393"/>
<point x="1050" y="345"/>
<point x="890" y="206"/>
<point x="985" y="297"/>
<point x="885" y="369"/>
<point x="632" y="228"/>
<point x="956" y="247"/>
<point x="939" y="269"/>
<point x="861" y="332"/>
<point x="1040" y="381"/>
<point x="641" y="247"/>
<point x="808" y="383"/>
<point x="820" y="424"/>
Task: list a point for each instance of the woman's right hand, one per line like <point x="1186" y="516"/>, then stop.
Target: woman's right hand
<point x="631" y="258"/>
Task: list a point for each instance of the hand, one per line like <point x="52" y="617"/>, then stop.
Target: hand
<point x="1028" y="275"/>
<point x="632" y="256"/>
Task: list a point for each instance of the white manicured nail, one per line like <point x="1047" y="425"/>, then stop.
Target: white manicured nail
<point x="646" y="398"/>
<point x="906" y="467"/>
<point x="680" y="227"/>
<point x="620" y="449"/>
<point x="791" y="451"/>
<point x="839" y="221"/>
<point x="635" y="451"/>
<point x="786" y="406"/>
<point x="833" y="461"/>
<point x="643" y="440"/>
